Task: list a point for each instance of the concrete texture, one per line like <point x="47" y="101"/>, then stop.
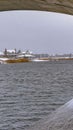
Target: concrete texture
<point x="61" y="119"/>
<point x="62" y="6"/>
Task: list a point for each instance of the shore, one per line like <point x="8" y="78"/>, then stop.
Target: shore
<point x="5" y="60"/>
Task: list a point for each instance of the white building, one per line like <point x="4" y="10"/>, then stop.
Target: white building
<point x="11" y="51"/>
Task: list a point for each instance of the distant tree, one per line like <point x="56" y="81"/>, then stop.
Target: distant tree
<point x="15" y="50"/>
<point x="5" y="51"/>
<point x="19" y="51"/>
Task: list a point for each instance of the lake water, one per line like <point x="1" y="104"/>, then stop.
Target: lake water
<point x="31" y="91"/>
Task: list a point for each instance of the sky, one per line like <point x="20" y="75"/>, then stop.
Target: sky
<point x="37" y="31"/>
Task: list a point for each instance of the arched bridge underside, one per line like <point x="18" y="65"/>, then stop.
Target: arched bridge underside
<point x="60" y="6"/>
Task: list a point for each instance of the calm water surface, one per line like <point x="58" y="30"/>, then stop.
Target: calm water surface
<point x="31" y="91"/>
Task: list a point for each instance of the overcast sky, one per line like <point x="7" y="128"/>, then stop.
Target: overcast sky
<point x="39" y="32"/>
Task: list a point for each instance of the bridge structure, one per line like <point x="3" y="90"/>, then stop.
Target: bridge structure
<point x="59" y="6"/>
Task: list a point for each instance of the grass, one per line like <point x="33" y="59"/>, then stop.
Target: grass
<point x="21" y="60"/>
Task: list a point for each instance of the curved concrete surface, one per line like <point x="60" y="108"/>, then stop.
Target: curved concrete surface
<point x="62" y="6"/>
<point x="61" y="119"/>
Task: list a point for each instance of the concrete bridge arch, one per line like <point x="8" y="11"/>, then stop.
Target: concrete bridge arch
<point x="60" y="6"/>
